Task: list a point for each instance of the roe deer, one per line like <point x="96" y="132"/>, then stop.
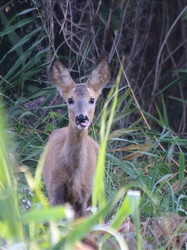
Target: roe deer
<point x="71" y="156"/>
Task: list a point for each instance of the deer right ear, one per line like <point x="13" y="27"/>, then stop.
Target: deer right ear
<point x="61" y="77"/>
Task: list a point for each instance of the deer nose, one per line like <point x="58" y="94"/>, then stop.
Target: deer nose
<point x="81" y="118"/>
<point x="82" y="121"/>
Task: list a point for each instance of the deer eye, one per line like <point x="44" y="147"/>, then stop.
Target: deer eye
<point x="92" y="100"/>
<point x="70" y="101"/>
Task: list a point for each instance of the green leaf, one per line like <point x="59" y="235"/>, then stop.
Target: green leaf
<point x="26" y="11"/>
<point x="181" y="167"/>
<point x="19" y="43"/>
<point x="9" y="210"/>
<point x="17" y="25"/>
<point x="47" y="214"/>
<point x="125" y="165"/>
<point x="86" y="226"/>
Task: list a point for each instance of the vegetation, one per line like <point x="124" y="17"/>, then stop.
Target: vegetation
<point x="140" y="183"/>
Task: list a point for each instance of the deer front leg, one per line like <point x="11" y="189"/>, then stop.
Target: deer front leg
<point x="82" y="204"/>
<point x="81" y="208"/>
<point x="57" y="194"/>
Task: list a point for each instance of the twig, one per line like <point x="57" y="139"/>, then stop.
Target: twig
<point x="161" y="48"/>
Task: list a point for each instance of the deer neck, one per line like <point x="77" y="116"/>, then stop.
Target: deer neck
<point x="76" y="144"/>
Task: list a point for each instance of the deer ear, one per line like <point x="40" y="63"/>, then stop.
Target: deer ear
<point x="61" y="77"/>
<point x="99" y="77"/>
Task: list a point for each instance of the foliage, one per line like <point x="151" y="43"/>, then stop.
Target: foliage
<point x="141" y="127"/>
<point x="24" y="229"/>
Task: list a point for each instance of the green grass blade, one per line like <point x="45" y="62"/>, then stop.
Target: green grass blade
<point x="130" y="206"/>
<point x="47" y="214"/>
<point x="9" y="212"/>
<point x="111" y="231"/>
<point x="98" y="197"/>
<point x="20" y="43"/>
<point x="181" y="167"/>
<point x="86" y="226"/>
<point x="16" y="26"/>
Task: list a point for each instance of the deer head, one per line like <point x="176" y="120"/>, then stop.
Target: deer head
<point x="80" y="98"/>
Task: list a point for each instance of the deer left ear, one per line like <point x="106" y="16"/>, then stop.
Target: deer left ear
<point x="99" y="77"/>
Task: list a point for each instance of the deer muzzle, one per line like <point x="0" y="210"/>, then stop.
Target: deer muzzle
<point x="82" y="121"/>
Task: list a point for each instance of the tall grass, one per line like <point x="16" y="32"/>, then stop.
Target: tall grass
<point x="11" y="229"/>
<point x="28" y="229"/>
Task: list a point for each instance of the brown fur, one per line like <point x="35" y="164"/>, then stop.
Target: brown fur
<point x="71" y="157"/>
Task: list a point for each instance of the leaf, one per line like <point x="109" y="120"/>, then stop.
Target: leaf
<point x="110" y="230"/>
<point x="18" y="44"/>
<point x="47" y="214"/>
<point x="9" y="211"/>
<point x="98" y="197"/>
<point x="120" y="132"/>
<point x="181" y="167"/>
<point x="85" y="227"/>
<point x="26" y="11"/>
<point x="16" y="26"/>
<point x="124" y="166"/>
